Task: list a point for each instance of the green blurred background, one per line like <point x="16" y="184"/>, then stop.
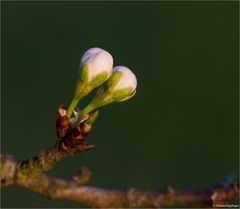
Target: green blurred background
<point x="180" y="129"/>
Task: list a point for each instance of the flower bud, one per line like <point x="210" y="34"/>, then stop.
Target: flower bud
<point x="96" y="67"/>
<point x="121" y="86"/>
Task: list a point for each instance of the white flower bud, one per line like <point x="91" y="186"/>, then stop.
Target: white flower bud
<point x="121" y="86"/>
<point x="127" y="80"/>
<point x="96" y="67"/>
<point x="97" y="61"/>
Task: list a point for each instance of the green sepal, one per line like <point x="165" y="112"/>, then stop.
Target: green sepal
<point x="93" y="117"/>
<point x="83" y="73"/>
<point x="126" y="98"/>
<point x="122" y="94"/>
<point x="99" y="79"/>
<point x="112" y="81"/>
<point x="103" y="98"/>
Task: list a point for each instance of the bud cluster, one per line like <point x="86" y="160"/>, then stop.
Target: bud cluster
<point x="116" y="84"/>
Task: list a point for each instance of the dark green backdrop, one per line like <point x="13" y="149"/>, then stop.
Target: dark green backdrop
<point x="181" y="128"/>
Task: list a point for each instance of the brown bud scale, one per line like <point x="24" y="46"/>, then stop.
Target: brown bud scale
<point x="71" y="137"/>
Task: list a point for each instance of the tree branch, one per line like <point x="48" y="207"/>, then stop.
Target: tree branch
<point x="131" y="198"/>
<point x="30" y="175"/>
<point x="74" y="190"/>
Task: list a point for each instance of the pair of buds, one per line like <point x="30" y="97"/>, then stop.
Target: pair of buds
<point x="116" y="84"/>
